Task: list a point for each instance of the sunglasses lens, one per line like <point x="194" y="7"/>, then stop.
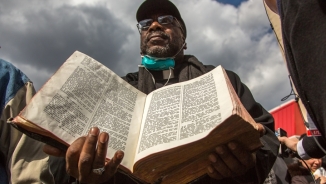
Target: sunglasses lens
<point x="144" y="24"/>
<point x="163" y="20"/>
<point x="167" y="19"/>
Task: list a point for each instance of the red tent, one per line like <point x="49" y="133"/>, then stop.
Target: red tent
<point x="288" y="117"/>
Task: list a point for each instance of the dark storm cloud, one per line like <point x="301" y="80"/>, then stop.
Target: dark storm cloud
<point x="45" y="37"/>
<point x="39" y="35"/>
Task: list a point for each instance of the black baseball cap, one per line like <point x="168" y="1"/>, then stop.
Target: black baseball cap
<point x="149" y="7"/>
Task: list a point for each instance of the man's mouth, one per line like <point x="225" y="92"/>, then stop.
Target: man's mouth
<point x="157" y="36"/>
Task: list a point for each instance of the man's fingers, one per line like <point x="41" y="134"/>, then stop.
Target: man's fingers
<point x="243" y="156"/>
<point x="53" y="151"/>
<point x="72" y="157"/>
<point x="102" y="145"/>
<point x="230" y="160"/>
<point x="114" y="163"/>
<point x="87" y="154"/>
<point x="213" y="173"/>
<point x="290" y="143"/>
<point x="220" y="168"/>
<point x="282" y="139"/>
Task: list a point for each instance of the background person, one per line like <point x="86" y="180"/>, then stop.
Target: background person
<point x="21" y="158"/>
<point x="303" y="171"/>
<point x="303" y="32"/>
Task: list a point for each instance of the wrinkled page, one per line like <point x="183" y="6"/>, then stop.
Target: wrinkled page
<point x="181" y="113"/>
<point x="84" y="93"/>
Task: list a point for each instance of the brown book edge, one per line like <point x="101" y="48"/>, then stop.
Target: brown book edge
<point x="239" y="108"/>
<point x="34" y="131"/>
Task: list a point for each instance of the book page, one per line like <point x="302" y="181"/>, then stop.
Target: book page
<point x="84" y="93"/>
<point x="181" y="113"/>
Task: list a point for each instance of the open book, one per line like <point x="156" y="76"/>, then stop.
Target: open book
<point x="166" y="135"/>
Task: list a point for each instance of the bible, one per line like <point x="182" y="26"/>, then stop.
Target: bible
<point x="166" y="135"/>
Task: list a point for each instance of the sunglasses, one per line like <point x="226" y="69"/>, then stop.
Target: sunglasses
<point x="163" y="20"/>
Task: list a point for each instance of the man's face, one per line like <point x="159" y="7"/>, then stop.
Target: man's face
<point x="313" y="164"/>
<point x="161" y="40"/>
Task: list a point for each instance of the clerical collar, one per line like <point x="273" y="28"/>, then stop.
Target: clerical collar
<point x="163" y="74"/>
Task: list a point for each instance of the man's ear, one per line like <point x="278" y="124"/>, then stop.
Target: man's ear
<point x="185" y="46"/>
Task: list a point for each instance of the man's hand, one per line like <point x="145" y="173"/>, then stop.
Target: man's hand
<point x="230" y="160"/>
<point x="290" y="143"/>
<point x="322" y="179"/>
<point x="88" y="153"/>
<point x="261" y="129"/>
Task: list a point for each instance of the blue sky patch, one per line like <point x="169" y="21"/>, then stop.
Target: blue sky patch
<point x="235" y="3"/>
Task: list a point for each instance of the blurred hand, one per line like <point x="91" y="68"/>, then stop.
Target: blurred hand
<point x="321" y="178"/>
<point x="290" y="143"/>
<point x="261" y="129"/>
<point x="88" y="153"/>
<point x="230" y="160"/>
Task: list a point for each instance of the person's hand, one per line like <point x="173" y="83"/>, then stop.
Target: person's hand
<point x="290" y="143"/>
<point x="86" y="154"/>
<point x="230" y="160"/>
<point x="322" y="179"/>
<point x="261" y="129"/>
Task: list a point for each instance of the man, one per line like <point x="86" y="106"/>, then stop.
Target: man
<point x="306" y="170"/>
<point x="303" y="32"/>
<point x="163" y="38"/>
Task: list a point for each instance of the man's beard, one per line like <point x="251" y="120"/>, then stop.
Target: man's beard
<point x="168" y="50"/>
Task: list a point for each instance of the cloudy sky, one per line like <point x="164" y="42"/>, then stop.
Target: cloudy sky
<point x="39" y="35"/>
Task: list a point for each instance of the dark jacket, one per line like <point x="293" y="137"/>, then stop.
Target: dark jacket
<point x="300" y="174"/>
<point x="303" y="28"/>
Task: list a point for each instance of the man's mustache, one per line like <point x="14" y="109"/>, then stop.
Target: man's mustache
<point x="157" y="33"/>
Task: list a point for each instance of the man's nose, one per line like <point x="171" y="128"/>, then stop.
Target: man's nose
<point x="155" y="26"/>
<point x="317" y="161"/>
